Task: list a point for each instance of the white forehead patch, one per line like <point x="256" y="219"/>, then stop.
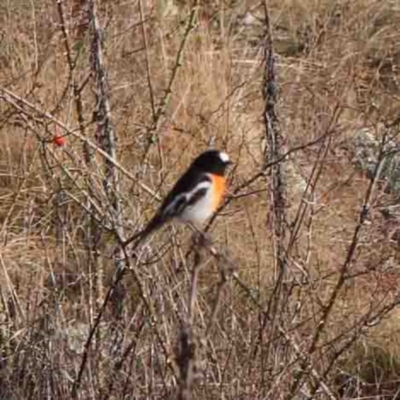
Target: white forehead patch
<point x="224" y="157"/>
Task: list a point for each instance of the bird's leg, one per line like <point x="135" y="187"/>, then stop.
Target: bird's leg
<point x="200" y="238"/>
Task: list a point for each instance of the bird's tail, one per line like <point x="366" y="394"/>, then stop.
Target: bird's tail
<point x="138" y="237"/>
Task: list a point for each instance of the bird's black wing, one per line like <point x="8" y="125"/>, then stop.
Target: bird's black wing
<point x="182" y="194"/>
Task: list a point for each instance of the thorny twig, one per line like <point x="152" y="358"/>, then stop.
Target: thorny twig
<point x="159" y="113"/>
<point x="275" y="148"/>
<point x="343" y="276"/>
<point x="363" y="215"/>
<point x="290" y="340"/>
<point x="275" y="141"/>
<point x="106" y="138"/>
<point x="229" y="269"/>
<point x="93" y="227"/>
<point x="186" y="352"/>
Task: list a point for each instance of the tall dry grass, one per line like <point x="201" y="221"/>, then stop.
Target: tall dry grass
<point x="251" y="314"/>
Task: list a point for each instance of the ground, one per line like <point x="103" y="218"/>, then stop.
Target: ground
<point x="257" y="314"/>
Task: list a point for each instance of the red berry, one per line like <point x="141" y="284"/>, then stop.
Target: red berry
<point x="59" y="140"/>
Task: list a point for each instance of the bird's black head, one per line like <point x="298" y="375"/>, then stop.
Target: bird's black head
<point x="212" y="161"/>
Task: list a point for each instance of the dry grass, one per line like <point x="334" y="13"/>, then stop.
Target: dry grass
<point x="180" y="324"/>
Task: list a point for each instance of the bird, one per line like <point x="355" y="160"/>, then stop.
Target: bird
<point x="196" y="195"/>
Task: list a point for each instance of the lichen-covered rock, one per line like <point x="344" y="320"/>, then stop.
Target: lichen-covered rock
<point x="367" y="151"/>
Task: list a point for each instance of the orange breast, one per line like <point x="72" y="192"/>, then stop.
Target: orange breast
<point x="219" y="184"/>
